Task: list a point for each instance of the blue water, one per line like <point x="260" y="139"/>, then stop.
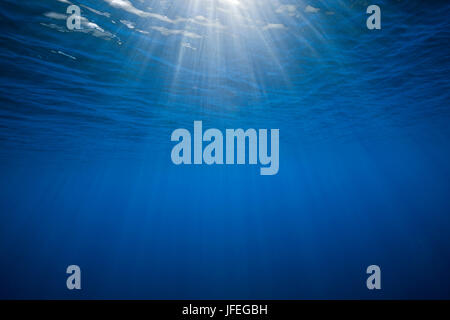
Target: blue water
<point x="86" y="175"/>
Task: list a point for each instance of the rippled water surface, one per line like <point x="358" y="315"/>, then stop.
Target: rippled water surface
<point x="86" y="176"/>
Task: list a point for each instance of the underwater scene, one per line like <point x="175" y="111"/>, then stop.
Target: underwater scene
<point x="357" y="149"/>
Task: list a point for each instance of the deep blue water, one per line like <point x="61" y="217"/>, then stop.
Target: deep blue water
<point x="86" y="175"/>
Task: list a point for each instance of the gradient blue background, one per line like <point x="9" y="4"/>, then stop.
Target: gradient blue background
<point x="86" y="176"/>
